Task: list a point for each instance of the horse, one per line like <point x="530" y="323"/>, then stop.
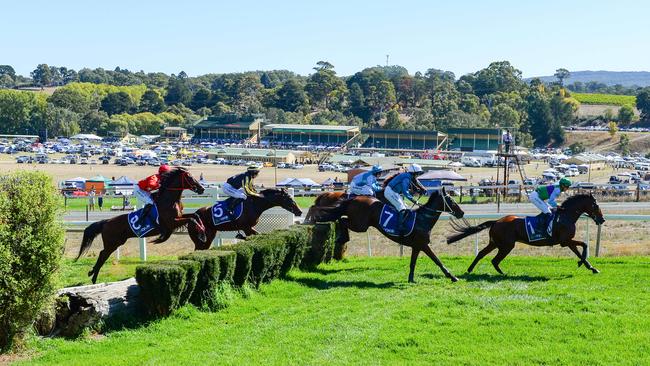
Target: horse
<point x="253" y="208"/>
<point x="364" y="211"/>
<point x="115" y="231"/>
<point x="510" y="229"/>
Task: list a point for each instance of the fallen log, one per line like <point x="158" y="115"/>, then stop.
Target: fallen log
<point x="82" y="307"/>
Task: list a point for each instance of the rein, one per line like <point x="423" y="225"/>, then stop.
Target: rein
<point x="183" y="184"/>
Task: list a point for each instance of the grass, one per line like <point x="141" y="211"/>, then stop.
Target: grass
<point x="611" y="99"/>
<point x="361" y="311"/>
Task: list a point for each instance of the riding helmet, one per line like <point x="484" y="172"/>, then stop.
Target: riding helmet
<point x="565" y="182"/>
<point x="164" y="169"/>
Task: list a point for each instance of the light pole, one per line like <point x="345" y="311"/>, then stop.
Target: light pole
<point x="275" y="165"/>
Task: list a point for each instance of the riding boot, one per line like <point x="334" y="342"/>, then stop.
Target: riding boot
<point x="144" y="213"/>
<point x="401" y="223"/>
<point x="544" y="222"/>
<point x="231" y="206"/>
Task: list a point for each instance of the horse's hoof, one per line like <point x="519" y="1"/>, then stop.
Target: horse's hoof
<point x="90" y="273"/>
<point x="240" y="237"/>
<point x="453" y="278"/>
<point x="594" y="270"/>
<point x="580" y="263"/>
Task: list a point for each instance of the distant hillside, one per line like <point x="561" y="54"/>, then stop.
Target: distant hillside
<point x="625" y="78"/>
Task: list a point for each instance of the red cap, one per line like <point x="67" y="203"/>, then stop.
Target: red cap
<point x="164" y="169"/>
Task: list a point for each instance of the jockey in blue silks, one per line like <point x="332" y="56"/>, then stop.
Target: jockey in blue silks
<point x="365" y="184"/>
<point x="400" y="186"/>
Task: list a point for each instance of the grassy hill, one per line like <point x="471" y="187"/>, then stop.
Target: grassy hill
<point x="361" y="311"/>
<point x="625" y="78"/>
<point x="597" y="141"/>
<point x="610" y="99"/>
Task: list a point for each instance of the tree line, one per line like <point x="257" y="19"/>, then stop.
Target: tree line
<point x="105" y="101"/>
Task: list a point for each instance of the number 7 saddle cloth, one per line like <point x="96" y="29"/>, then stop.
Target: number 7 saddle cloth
<point x="389" y="221"/>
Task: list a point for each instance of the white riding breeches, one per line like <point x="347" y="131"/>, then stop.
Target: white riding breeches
<point x="539" y="203"/>
<point x="144" y="197"/>
<point x="231" y="191"/>
<point x="394" y="198"/>
<point x="362" y="190"/>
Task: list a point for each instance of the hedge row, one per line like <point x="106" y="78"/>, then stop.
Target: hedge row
<point x="199" y="277"/>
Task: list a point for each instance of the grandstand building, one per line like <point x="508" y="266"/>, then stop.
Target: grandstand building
<point x="229" y="128"/>
<point x="474" y="139"/>
<point x="387" y="140"/>
<point x="294" y="135"/>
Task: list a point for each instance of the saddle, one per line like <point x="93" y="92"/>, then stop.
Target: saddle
<point x="220" y="212"/>
<point x="389" y="221"/>
<point x="142" y="227"/>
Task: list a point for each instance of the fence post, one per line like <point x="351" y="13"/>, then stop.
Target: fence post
<point x="369" y="247"/>
<point x="87" y="212"/>
<point x="598" y="240"/>
<point x="638" y="191"/>
<point x="476" y="239"/>
<point x="461" y="195"/>
<point x="401" y="250"/>
<point x="587" y="233"/>
<point x="143" y="243"/>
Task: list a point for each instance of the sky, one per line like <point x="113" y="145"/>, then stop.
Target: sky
<point x="201" y="37"/>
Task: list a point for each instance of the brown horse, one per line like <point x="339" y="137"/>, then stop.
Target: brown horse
<point x="510" y="229"/>
<point x="364" y="211"/>
<point x="115" y="231"/>
<point x="253" y="208"/>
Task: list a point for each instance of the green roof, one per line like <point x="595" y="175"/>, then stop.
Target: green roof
<point x="370" y="131"/>
<point x="474" y="131"/>
<point x="229" y="151"/>
<point x="311" y="128"/>
<point x="231" y="121"/>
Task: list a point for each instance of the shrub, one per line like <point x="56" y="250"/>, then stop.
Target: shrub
<point x="227" y="260"/>
<point x="321" y="246"/>
<point x="208" y="277"/>
<point x="161" y="286"/>
<point x="243" y="261"/>
<point x="297" y="237"/>
<point x="192" y="269"/>
<point x="31" y="245"/>
<point x="267" y="252"/>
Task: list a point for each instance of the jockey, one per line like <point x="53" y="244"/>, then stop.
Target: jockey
<point x="144" y="188"/>
<point x="550" y="193"/>
<point x="365" y="184"/>
<point x="401" y="185"/>
<point x="240" y="186"/>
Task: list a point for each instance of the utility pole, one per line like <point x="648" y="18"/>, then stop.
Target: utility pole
<point x="387" y="56"/>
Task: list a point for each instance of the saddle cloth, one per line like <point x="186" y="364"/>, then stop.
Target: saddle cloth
<point x="220" y="215"/>
<point x="532" y="228"/>
<point x="149" y="223"/>
<point x="389" y="221"/>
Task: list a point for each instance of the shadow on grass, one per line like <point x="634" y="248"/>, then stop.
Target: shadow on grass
<point x="484" y="277"/>
<point x="325" y="271"/>
<point x="324" y="284"/>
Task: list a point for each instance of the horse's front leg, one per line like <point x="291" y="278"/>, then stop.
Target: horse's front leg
<point x="427" y="249"/>
<point x="415" y="252"/>
<point x="195" y="220"/>
<point x="573" y="245"/>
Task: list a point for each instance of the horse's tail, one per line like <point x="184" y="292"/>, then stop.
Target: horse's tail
<point x="90" y="233"/>
<point x="327" y="213"/>
<point x="466" y="231"/>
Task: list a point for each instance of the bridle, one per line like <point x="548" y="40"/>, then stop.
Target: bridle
<point x="185" y="183"/>
<point x="445" y="206"/>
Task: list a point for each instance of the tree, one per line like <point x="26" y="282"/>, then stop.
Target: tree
<point x="61" y="121"/>
<point x="626" y="115"/>
<point x="624" y="144"/>
<point x="42" y="75"/>
<point x="393" y="121"/>
<point x="95" y="122"/>
<point x="7" y="76"/>
<point x="561" y="75"/>
<point x="178" y="92"/>
<point x="612" y="128"/>
<point x="291" y="97"/>
<point x="608" y="115"/>
<point x="505" y="116"/>
<point x="643" y="103"/>
<point x="152" y="102"/>
<point x="116" y="103"/>
<point x="324" y="85"/>
<point x="577" y="147"/>
<point x="200" y="99"/>
<point x="72" y="99"/>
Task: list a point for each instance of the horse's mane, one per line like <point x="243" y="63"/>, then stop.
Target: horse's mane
<point x="575" y="199"/>
<point x="165" y="178"/>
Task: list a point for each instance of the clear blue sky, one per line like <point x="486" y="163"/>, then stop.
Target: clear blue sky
<point x="227" y="36"/>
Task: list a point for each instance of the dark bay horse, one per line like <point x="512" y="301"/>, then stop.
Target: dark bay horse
<point x="364" y="211"/>
<point x="253" y="208"/>
<point x="510" y="229"/>
<point x="115" y="231"/>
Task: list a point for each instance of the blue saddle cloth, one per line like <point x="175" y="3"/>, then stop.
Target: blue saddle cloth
<point x="149" y="223"/>
<point x="220" y="215"/>
<point x="389" y="221"/>
<point x="532" y="228"/>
